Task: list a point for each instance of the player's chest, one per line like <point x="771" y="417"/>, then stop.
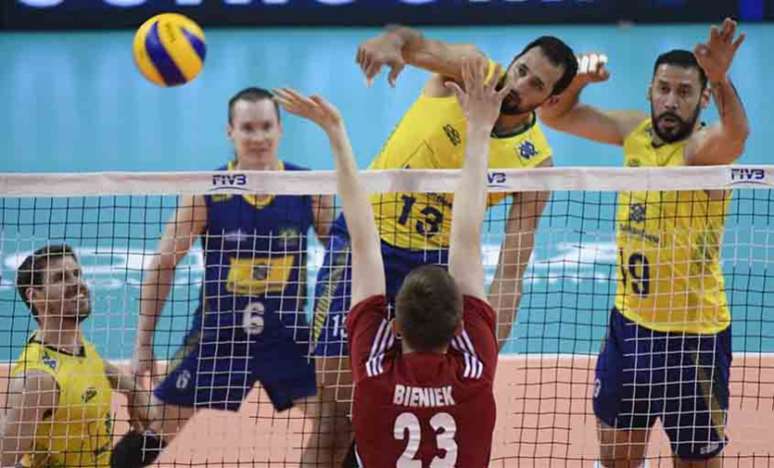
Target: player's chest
<point x="85" y="393"/>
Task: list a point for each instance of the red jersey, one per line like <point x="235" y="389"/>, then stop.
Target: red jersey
<point x="422" y="410"/>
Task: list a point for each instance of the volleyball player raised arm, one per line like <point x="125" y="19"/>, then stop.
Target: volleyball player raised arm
<point x="721" y="143"/>
<point x="443" y="318"/>
<point x="366" y="249"/>
<point x="664" y="316"/>
<point x="399" y="46"/>
<point x="470" y="198"/>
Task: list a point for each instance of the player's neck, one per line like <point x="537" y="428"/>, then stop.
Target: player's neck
<point x="406" y="348"/>
<point x="512" y="124"/>
<point x="267" y="165"/>
<point x="63" y="335"/>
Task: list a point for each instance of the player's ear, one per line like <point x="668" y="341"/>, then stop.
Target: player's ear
<point x="32" y="295"/>
<point x="229" y="130"/>
<point x="395" y="327"/>
<point x="458" y="329"/>
<point x="706" y="95"/>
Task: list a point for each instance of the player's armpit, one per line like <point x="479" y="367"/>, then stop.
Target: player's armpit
<point x="33" y="396"/>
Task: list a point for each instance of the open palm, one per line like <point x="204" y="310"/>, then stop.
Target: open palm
<point x="715" y="55"/>
<point x="314" y="108"/>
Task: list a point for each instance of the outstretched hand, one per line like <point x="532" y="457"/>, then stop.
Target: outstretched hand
<point x="715" y="55"/>
<point x="314" y="108"/>
<point x="480" y="100"/>
<point x="374" y="53"/>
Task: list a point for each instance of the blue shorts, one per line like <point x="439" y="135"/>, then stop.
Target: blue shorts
<point x="211" y="371"/>
<point x="333" y="287"/>
<point x="682" y="379"/>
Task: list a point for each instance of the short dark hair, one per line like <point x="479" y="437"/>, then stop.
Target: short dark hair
<point x="30" y="272"/>
<point x="252" y="94"/>
<point x="429" y="308"/>
<point x="558" y="53"/>
<point x="681" y="58"/>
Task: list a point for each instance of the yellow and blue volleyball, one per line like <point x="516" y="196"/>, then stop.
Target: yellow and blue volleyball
<point x="169" y="49"/>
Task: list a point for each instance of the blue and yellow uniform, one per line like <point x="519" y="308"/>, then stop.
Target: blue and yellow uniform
<point x="668" y="349"/>
<point x="414" y="227"/>
<point x="250" y="325"/>
<point x="79" y="431"/>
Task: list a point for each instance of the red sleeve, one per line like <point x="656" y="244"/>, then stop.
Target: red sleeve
<point x="477" y="342"/>
<point x="370" y="336"/>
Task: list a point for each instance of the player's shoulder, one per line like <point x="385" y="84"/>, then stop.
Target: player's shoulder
<point x="477" y="305"/>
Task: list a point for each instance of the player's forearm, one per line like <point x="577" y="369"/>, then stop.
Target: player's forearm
<point x="354" y="199"/>
<point x="155" y="289"/>
<point x="429" y="54"/>
<point x="731" y="111"/>
<point x="119" y="380"/>
<point x="505" y="290"/>
<point x="470" y="197"/>
<point x="15" y="438"/>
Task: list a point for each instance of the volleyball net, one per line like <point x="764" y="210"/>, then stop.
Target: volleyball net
<point x="677" y="251"/>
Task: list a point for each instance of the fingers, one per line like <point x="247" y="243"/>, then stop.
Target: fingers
<point x="739" y="41"/>
<point x="293" y="101"/>
<point x="324" y="105"/>
<point x="714" y="34"/>
<point x="592" y="63"/>
<point x="496" y="73"/>
<point x="372" y="70"/>
<point x="395" y="70"/>
<point x="729" y="28"/>
<point x="474" y="72"/>
<point x="455" y="89"/>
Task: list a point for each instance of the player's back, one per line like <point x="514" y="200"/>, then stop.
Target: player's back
<point x="423" y="409"/>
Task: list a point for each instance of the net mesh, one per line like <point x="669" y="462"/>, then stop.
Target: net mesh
<point x="589" y="238"/>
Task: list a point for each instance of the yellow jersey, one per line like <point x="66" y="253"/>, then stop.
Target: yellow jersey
<point x="431" y="135"/>
<point x="79" y="431"/>
<point x="669" y="273"/>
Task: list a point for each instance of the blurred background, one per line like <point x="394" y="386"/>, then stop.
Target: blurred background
<point x="73" y="100"/>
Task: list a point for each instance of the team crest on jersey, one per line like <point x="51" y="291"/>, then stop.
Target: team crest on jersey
<point x="261" y="272"/>
<point x="637" y="212"/>
<point x="633" y="163"/>
<point x="452" y="134"/>
<point x="527" y="150"/>
<point x="49" y="361"/>
<point x="90" y="393"/>
<point x="289" y="237"/>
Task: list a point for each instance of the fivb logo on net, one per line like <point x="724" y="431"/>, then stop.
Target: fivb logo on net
<point x="228" y="181"/>
<point x="750" y="175"/>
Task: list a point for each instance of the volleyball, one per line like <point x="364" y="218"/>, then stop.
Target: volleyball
<point x="169" y="49"/>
